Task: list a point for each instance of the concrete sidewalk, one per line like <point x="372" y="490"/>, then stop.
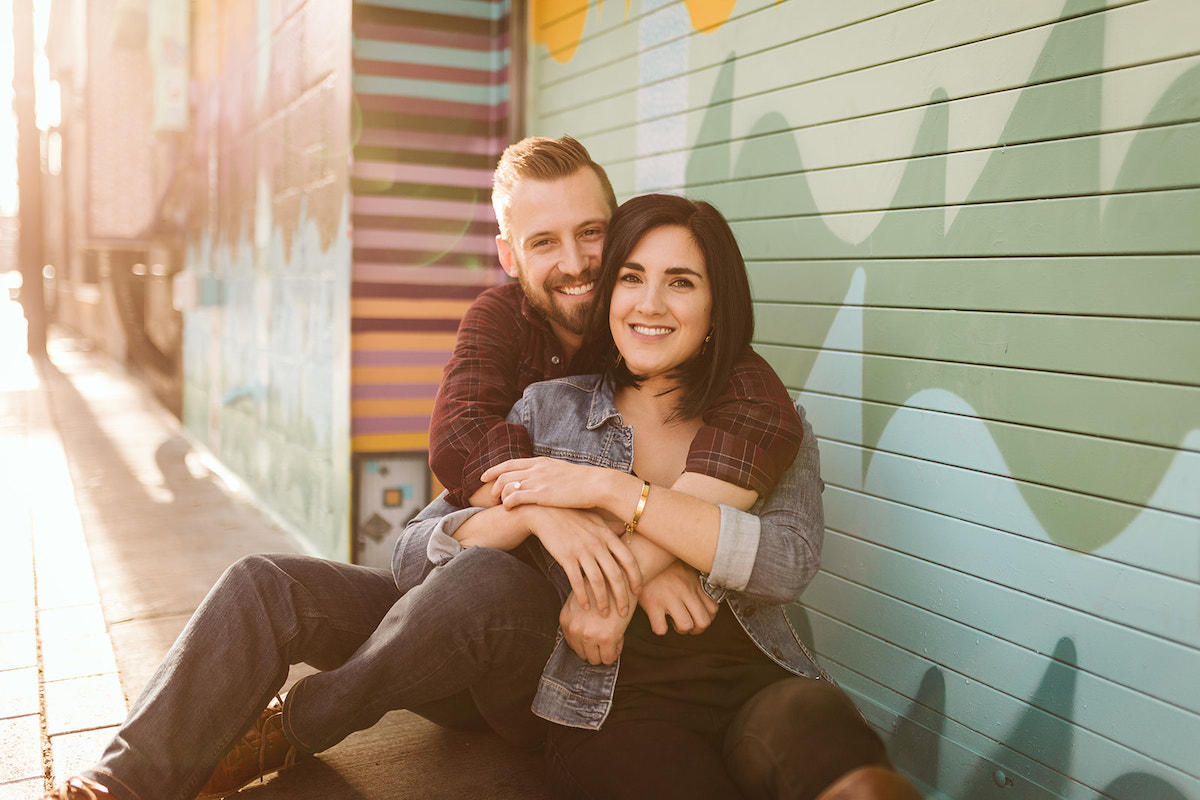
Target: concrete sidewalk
<point x="111" y="532"/>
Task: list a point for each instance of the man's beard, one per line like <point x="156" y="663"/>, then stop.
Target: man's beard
<point x="545" y="300"/>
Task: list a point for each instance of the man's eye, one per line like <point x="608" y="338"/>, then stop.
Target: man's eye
<point x="592" y="233"/>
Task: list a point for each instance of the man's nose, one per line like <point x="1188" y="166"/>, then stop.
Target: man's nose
<point x="575" y="259"/>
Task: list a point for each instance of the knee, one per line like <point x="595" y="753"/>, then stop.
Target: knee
<point x="497" y="580"/>
<point x="801" y="733"/>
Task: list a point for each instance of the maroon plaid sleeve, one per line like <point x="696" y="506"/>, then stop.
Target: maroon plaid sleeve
<point x="482" y="381"/>
<point x="752" y="433"/>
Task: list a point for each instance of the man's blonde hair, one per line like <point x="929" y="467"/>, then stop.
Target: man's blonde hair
<point x="541" y="159"/>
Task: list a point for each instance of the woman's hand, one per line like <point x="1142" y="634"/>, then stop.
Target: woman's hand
<point x="597" y="563"/>
<point x="676" y="593"/>
<point x="594" y="638"/>
<point x="549" y="482"/>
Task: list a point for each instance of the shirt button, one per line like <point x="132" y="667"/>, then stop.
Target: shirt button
<point x="554" y="359"/>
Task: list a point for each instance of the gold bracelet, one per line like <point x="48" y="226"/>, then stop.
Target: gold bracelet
<point x="631" y="526"/>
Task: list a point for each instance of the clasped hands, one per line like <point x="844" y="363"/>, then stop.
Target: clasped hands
<point x="597" y="561"/>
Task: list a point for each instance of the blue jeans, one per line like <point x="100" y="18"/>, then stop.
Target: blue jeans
<point x="474" y="635"/>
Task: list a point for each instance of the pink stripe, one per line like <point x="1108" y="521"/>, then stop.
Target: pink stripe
<point x="374" y="205"/>
<point x="410" y="424"/>
<point x="399" y="358"/>
<point x="440" y="108"/>
<point x="417" y="173"/>
<point x="393" y="391"/>
<point x="429" y="72"/>
<point x="424" y="240"/>
<point x="367" y="272"/>
<point x="426" y="36"/>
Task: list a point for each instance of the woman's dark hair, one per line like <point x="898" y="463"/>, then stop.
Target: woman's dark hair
<point x="704" y="377"/>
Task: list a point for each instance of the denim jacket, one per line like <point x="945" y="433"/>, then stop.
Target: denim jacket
<point x="763" y="558"/>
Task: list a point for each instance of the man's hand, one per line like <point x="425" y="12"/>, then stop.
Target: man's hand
<point x="598" y="564"/>
<point x="676" y="593"/>
<point x="595" y="638"/>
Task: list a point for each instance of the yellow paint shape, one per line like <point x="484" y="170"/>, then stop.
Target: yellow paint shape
<point x="558" y="24"/>
<point x="708" y="15"/>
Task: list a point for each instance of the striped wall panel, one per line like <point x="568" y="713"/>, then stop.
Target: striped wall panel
<point x="431" y="118"/>
<point x="974" y="248"/>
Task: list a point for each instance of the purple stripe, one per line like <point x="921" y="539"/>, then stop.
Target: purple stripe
<point x="398" y="104"/>
<point x="393" y="391"/>
<point x="361" y="325"/>
<point x="419" y="291"/>
<point x="423" y="240"/>
<point x="429" y="72"/>
<point x="369" y="425"/>
<point x="399" y="358"/>
<point x="375" y="205"/>
<point x="418" y="173"/>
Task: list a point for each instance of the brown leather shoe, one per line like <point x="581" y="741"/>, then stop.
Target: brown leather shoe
<point x="262" y="751"/>
<point x="77" y="788"/>
<point x="871" y="783"/>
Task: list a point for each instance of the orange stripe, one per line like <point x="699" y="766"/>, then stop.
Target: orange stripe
<point x="381" y="340"/>
<point x="400" y="308"/>
<point x="390" y="408"/>
<point x="391" y="442"/>
<point x="365" y="375"/>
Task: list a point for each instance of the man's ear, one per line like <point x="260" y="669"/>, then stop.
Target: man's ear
<point x="507" y="260"/>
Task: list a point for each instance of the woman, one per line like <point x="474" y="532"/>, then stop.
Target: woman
<point x="741" y="708"/>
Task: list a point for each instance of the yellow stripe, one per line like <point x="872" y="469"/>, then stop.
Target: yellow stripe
<point x="400" y="308"/>
<point x="390" y="442"/>
<point x="379" y="340"/>
<point x="364" y="375"/>
<point x="391" y="408"/>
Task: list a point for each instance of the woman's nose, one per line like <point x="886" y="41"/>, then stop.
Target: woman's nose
<point x="650" y="301"/>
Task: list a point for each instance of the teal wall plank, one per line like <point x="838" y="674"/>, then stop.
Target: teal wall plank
<point x="973" y="246"/>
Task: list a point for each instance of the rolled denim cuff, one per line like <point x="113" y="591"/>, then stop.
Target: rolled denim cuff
<point x="737" y="547"/>
<point x="442" y="545"/>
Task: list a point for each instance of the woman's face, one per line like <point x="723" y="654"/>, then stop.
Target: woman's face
<point x="661" y="306"/>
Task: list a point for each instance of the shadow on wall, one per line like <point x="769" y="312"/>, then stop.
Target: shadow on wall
<point x="1127" y="221"/>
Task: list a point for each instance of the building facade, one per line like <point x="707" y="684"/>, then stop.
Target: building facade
<point x="974" y="251"/>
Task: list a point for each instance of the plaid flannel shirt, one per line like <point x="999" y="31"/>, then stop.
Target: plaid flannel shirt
<point x="750" y="435"/>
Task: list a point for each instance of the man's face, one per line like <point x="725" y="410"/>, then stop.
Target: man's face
<point x="556" y="229"/>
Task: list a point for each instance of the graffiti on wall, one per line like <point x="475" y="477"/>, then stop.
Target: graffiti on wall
<point x="1019" y="364"/>
<point x="267" y="345"/>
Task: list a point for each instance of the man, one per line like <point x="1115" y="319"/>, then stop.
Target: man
<point x="455" y="656"/>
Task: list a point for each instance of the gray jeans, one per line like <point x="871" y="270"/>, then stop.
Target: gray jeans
<point x="474" y="635"/>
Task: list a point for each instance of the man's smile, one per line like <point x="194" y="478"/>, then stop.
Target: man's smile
<point x="575" y="291"/>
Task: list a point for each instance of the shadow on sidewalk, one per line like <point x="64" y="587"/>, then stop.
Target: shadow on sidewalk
<point x="159" y="536"/>
<point x="160" y="532"/>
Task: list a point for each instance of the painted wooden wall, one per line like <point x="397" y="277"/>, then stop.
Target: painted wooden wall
<point x="974" y="238"/>
<point x="430" y="121"/>
<point x="267" y="281"/>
